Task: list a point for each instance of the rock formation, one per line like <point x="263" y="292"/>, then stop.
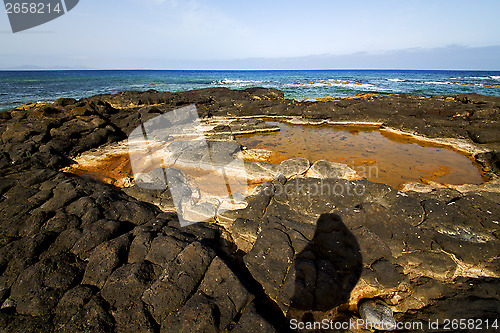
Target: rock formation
<point x="80" y="255"/>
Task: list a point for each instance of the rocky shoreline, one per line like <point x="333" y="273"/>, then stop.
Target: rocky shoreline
<point x="80" y="255"/>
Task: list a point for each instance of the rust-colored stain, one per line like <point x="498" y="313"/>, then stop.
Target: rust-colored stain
<point x="378" y="156"/>
<point x="115" y="169"/>
<point x="111" y="169"/>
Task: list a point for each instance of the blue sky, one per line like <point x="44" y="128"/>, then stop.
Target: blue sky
<point x="220" y="34"/>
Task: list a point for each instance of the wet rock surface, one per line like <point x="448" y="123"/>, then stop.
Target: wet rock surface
<point x="77" y="255"/>
<point x="377" y="315"/>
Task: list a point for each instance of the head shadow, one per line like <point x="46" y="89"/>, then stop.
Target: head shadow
<point x="328" y="268"/>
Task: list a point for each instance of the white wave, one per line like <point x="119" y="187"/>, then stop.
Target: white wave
<point x="336" y="83"/>
<point x="342" y="82"/>
<point x="354" y="85"/>
<point x="307" y="100"/>
<point x="437" y="82"/>
<point x="239" y="82"/>
<point x="493" y="77"/>
<point x="478" y="77"/>
<point x="396" y="80"/>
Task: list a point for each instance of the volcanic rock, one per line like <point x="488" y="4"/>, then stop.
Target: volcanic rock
<point x="79" y="255"/>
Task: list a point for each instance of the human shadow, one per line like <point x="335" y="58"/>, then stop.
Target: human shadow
<point x="328" y="268"/>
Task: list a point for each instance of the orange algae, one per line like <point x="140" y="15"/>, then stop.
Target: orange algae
<point x="378" y="156"/>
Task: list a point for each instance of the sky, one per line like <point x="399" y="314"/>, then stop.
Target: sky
<point x="271" y="34"/>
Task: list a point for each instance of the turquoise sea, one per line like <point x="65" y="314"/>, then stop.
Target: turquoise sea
<point x="18" y="87"/>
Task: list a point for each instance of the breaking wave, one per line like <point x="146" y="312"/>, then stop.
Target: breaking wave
<point x="238" y="82"/>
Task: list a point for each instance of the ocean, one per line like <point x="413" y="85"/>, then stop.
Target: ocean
<point x="18" y="87"/>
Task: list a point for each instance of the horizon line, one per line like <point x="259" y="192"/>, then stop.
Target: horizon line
<point x="236" y="69"/>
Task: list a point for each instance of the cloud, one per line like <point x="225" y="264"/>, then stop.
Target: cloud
<point x="449" y="57"/>
<point x="445" y="58"/>
<point x="172" y="3"/>
<point x="191" y="28"/>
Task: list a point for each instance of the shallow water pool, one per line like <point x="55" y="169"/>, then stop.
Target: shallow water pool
<point x="377" y="155"/>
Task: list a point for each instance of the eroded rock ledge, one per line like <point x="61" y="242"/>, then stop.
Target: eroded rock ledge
<point x="80" y="255"/>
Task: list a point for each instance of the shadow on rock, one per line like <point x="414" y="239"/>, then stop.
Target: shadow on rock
<point x="328" y="268"/>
